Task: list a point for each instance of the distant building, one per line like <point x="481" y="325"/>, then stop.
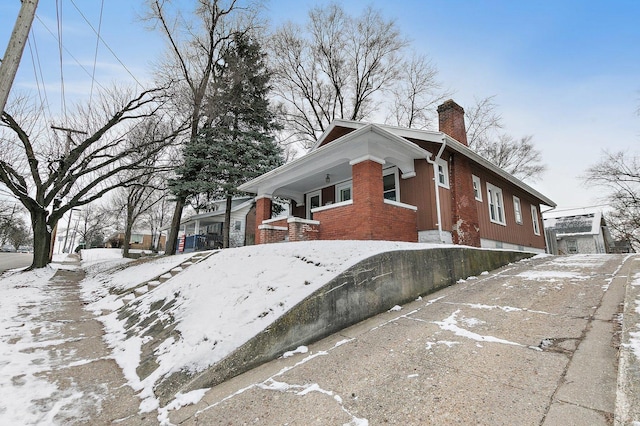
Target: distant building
<point x="139" y="241"/>
<point x="577" y="231"/>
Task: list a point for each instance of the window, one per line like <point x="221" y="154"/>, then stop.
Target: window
<point x="314" y="199"/>
<point x="496" y="204"/>
<point x="477" y="191"/>
<point x="136" y="239"/>
<point x="517" y="210"/>
<point x="389" y="186"/>
<point x="536" y="223"/>
<point x="237" y="225"/>
<point x="443" y="173"/>
<point x="343" y="191"/>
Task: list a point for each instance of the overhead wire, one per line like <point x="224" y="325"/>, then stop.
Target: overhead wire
<point x="37" y="70"/>
<point x="95" y="57"/>
<point x="63" y="104"/>
<point x="105" y="44"/>
<point x="68" y="52"/>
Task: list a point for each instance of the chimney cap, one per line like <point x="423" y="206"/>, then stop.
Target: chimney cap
<point x="450" y="104"/>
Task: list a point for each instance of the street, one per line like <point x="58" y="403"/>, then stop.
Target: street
<point x="14" y="260"/>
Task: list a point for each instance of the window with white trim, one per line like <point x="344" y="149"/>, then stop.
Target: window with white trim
<point x="536" y="223"/>
<point x="343" y="191"/>
<point x="477" y="188"/>
<point x="443" y="173"/>
<point x="390" y="184"/>
<point x="496" y="204"/>
<point x="517" y="210"/>
<point x="136" y="239"/>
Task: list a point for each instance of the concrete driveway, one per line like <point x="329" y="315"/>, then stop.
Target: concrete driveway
<point x="529" y="344"/>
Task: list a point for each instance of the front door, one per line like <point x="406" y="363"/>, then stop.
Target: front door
<point x="314" y="199"/>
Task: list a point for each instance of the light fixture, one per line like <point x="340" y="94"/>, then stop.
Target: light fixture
<point x="327" y="179"/>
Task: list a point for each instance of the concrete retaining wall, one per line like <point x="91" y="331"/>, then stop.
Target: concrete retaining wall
<point x="372" y="286"/>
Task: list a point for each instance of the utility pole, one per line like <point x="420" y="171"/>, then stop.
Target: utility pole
<point x="57" y="201"/>
<point x="13" y="53"/>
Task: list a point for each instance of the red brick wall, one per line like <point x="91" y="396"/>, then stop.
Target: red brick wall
<point x="465" y="227"/>
<point x="263" y="212"/>
<point x="301" y="231"/>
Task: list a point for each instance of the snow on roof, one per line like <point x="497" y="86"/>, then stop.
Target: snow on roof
<point x="582" y="221"/>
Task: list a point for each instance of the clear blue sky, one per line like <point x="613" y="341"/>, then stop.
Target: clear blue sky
<point x="567" y="72"/>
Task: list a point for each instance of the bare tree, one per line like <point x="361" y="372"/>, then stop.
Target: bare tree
<point x="333" y="68"/>
<point x="516" y="156"/>
<point x="50" y="177"/>
<point x="89" y="227"/>
<point x="619" y="173"/>
<point x="416" y="94"/>
<point x="196" y="41"/>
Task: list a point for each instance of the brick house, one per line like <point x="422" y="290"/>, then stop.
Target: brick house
<point x="365" y="181"/>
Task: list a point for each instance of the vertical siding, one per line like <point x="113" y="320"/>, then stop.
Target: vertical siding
<point x="519" y="234"/>
<point x="418" y="191"/>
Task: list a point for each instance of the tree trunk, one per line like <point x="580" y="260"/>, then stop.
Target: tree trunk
<point x="227" y="225"/>
<point x="41" y="239"/>
<point x="172" y="240"/>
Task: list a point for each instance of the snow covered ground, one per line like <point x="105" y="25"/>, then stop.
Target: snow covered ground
<point x="220" y="303"/>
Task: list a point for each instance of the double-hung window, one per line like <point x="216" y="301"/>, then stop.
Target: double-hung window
<point x="536" y="223"/>
<point x="343" y="191"/>
<point x="477" y="191"/>
<point x="443" y="173"/>
<point x="390" y="184"/>
<point x="496" y="204"/>
<point x="517" y="210"/>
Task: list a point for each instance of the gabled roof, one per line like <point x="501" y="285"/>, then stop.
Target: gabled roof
<point x="381" y="141"/>
<point x="217" y="213"/>
<point x="438" y="137"/>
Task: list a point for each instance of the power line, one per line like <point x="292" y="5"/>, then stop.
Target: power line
<point x="95" y="57"/>
<point x="63" y="104"/>
<point x="68" y="52"/>
<point x="37" y="67"/>
<point x="105" y="43"/>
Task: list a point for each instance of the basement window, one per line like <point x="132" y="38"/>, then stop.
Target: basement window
<point x="496" y="204"/>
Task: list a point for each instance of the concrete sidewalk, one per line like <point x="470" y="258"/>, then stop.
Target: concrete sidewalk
<point x="533" y="343"/>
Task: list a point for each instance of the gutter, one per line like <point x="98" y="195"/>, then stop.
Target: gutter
<point x="435" y="184"/>
<point x="544" y="230"/>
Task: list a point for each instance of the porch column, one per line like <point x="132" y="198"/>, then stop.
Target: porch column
<point x="368" y="196"/>
<point x="263" y="212"/>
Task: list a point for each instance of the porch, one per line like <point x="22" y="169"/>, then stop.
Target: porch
<point x="348" y="189"/>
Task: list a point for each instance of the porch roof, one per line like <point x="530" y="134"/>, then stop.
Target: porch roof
<point x="307" y="173"/>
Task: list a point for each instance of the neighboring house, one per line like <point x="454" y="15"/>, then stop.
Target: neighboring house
<point x="204" y="231"/>
<point x="376" y="182"/>
<point x="578" y="231"/>
<point x="140" y="240"/>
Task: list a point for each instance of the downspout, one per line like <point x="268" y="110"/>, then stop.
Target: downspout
<point x="435" y="184"/>
<point x="544" y="231"/>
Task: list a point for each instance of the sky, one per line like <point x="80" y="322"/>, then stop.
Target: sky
<point x="566" y="72"/>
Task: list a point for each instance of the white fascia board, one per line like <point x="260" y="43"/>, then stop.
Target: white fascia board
<point x="338" y="151"/>
<point x="472" y="155"/>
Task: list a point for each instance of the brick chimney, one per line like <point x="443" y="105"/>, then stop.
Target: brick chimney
<point x="451" y="121"/>
<point x="465" y="229"/>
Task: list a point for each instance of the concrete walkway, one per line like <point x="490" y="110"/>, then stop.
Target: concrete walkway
<point x="534" y="343"/>
<point x="530" y="344"/>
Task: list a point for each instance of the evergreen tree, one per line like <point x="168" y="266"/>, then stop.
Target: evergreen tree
<point x="237" y="142"/>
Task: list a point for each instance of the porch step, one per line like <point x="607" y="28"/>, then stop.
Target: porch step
<point x="155" y="282"/>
